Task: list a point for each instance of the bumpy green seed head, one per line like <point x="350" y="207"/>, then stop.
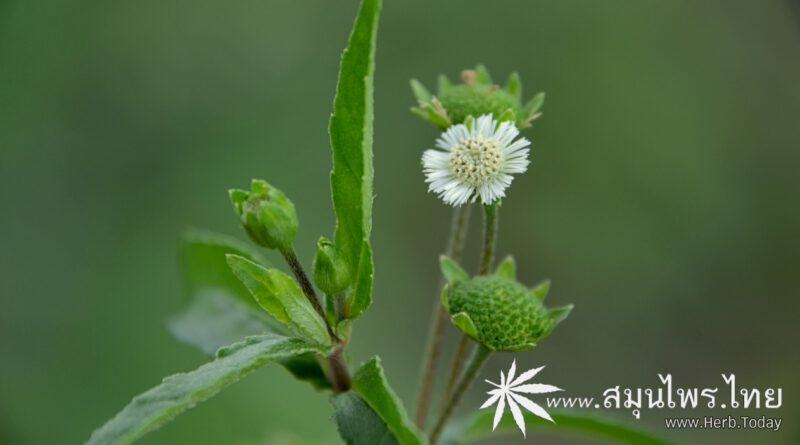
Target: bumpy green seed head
<point x="497" y="311"/>
<point x="476" y="96"/>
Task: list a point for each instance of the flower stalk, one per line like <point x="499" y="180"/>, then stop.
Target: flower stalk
<point x="480" y="356"/>
<point x="459" y="227"/>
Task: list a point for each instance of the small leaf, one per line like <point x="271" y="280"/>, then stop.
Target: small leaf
<point x="443" y="84"/>
<point x="451" y="270"/>
<point x="280" y="295"/>
<point x="361" y="296"/>
<point x="214" y="320"/>
<point x="540" y="291"/>
<point x="463" y="322"/>
<point x="370" y="383"/>
<point x="514" y="85"/>
<point x="507" y="115"/>
<point x="420" y="92"/>
<point x="306" y="367"/>
<point x="589" y="425"/>
<point x="257" y="281"/>
<point x="482" y="76"/>
<point x="558" y="314"/>
<point x="180" y="392"/>
<point x="358" y="424"/>
<point x="535" y="104"/>
<point x="507" y="268"/>
<point x="351" y="136"/>
<point x="443" y="297"/>
<point x="204" y="268"/>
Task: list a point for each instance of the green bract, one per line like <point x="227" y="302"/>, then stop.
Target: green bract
<point x="476" y="96"/>
<point x="268" y="216"/>
<point x="496" y="310"/>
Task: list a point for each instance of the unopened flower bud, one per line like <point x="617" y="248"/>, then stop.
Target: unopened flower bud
<point x="266" y="214"/>
<point x="331" y="271"/>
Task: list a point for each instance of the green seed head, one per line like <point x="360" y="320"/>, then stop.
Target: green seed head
<point x="475" y="96"/>
<point x="498" y="311"/>
<point x="504" y="313"/>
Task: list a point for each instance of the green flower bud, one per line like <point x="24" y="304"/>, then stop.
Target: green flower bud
<point x="476" y="96"/>
<point x="331" y="271"/>
<point x="499" y="312"/>
<point x="268" y="216"/>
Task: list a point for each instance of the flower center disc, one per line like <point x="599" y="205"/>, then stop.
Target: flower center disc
<point x="476" y="160"/>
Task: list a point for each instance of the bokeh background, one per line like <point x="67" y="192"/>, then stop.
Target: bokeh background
<point x="662" y="199"/>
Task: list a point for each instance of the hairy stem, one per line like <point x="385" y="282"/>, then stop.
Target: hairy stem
<point x="458" y="365"/>
<point x="308" y="290"/>
<point x="490" y="226"/>
<point x="339" y="375"/>
<point x="479" y="357"/>
<point x="455" y="246"/>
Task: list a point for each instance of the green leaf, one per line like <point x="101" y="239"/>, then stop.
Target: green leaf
<point x="558" y="314"/>
<point x="358" y="424"/>
<point x="306" y="367"/>
<point x="213" y="320"/>
<point x="361" y="297"/>
<point x="279" y="294"/>
<point x="482" y="76"/>
<point x="541" y="290"/>
<point x="179" y="392"/>
<point x="507" y="268"/>
<point x="351" y="136"/>
<point x="420" y="92"/>
<point x="514" y="85"/>
<point x="588" y="424"/>
<point x="463" y="322"/>
<point x="534" y="105"/>
<point x="370" y="383"/>
<point x="443" y="84"/>
<point x="451" y="270"/>
<point x="204" y="268"/>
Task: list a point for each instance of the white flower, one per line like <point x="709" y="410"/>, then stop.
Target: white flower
<point x="475" y="162"/>
<point x="510" y="391"/>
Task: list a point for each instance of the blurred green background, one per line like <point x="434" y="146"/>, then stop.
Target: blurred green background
<point x="662" y="199"/>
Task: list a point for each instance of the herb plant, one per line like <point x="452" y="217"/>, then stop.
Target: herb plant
<point x="305" y="320"/>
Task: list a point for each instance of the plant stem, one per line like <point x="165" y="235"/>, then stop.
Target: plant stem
<point x="455" y="246"/>
<point x="479" y="357"/>
<point x="308" y="290"/>
<point x="339" y="374"/>
<point x="458" y="364"/>
<point x="490" y="226"/>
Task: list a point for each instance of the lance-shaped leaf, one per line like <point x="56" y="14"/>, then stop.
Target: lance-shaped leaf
<point x="371" y="385"/>
<point x="358" y="424"/>
<point x="179" y="392"/>
<point x="507" y="268"/>
<point x="351" y="139"/>
<point x="222" y="311"/>
<point x="451" y="270"/>
<point x="279" y="294"/>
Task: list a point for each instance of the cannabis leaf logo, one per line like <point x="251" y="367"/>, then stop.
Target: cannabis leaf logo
<point x="510" y="391"/>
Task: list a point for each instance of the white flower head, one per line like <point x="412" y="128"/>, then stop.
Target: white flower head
<point x="475" y="161"/>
